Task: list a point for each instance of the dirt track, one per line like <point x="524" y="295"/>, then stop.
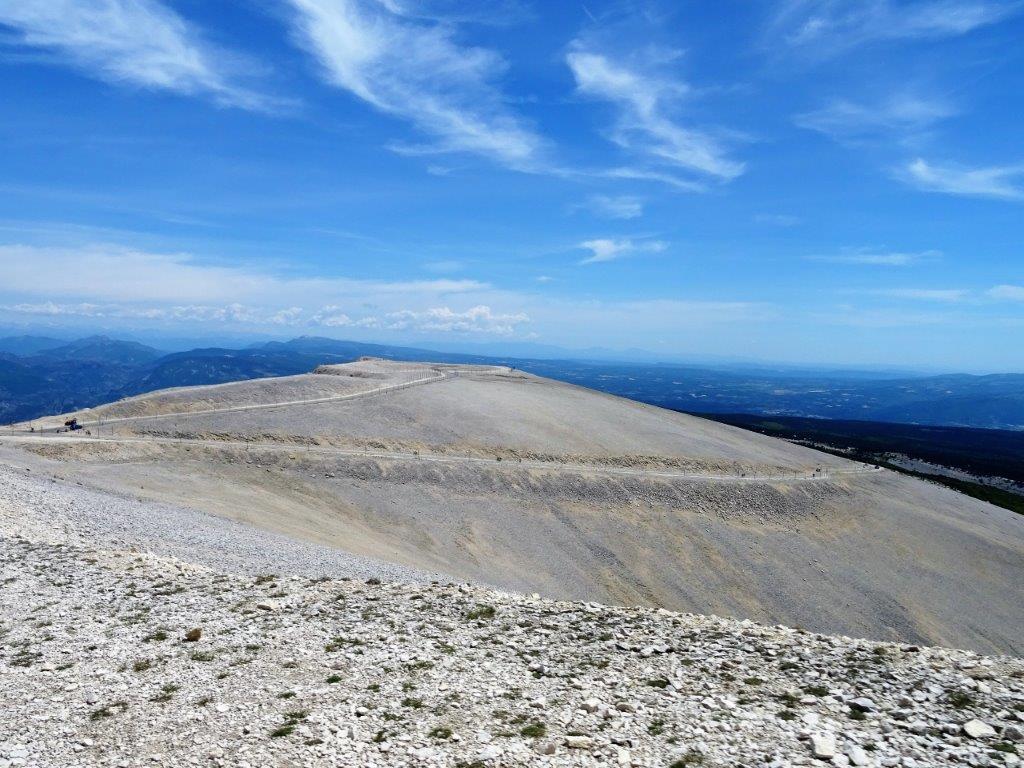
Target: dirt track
<point x="39" y="441"/>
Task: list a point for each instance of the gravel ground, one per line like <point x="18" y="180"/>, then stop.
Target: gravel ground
<point x="115" y="657"/>
<point x="99" y="519"/>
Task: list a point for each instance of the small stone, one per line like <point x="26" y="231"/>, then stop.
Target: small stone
<point x="863" y="704"/>
<point x="823" y="746"/>
<point x="624" y="758"/>
<point x="858" y="756"/>
<point x="1013" y="733"/>
<point x="546" y="748"/>
<point x="579" y="742"/>
<point x="591" y="705"/>
<point x="267" y="605"/>
<point x="977" y="729"/>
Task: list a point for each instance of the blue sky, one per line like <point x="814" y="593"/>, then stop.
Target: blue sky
<point x="823" y="181"/>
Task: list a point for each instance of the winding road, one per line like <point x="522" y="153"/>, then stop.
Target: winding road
<point x="507" y="464"/>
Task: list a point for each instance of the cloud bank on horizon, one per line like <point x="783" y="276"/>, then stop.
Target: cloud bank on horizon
<point x="779" y="180"/>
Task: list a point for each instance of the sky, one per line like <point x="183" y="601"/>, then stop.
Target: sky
<point x="811" y="181"/>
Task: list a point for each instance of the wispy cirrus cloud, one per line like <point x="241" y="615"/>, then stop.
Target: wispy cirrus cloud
<point x="644" y="124"/>
<point x="613" y="206"/>
<point x="102" y="273"/>
<point x="827" y="28"/>
<point x="900" y="114"/>
<point x="141" y="43"/>
<point x="1006" y="292"/>
<point x="876" y="257"/>
<point x="993" y="181"/>
<point x="951" y="295"/>
<point x="414" y="69"/>
<point x="608" y="249"/>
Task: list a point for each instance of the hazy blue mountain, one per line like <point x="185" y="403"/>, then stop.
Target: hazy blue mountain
<point x="98" y="369"/>
<point x="102" y="349"/>
<point x="28" y="345"/>
<point x="216" y="366"/>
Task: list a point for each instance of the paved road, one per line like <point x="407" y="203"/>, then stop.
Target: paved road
<point x="511" y="464"/>
<point x="262" y="406"/>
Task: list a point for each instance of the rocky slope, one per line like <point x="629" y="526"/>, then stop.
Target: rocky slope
<point x="115" y="655"/>
<point x="491" y="475"/>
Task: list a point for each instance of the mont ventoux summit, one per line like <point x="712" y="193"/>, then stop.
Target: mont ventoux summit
<point x="431" y="383"/>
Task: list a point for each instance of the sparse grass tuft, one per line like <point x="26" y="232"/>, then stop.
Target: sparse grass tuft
<point x="108" y="710"/>
<point x="534" y="730"/>
<point x="960" y="700"/>
<point x="167" y="691"/>
<point x="481" y="612"/>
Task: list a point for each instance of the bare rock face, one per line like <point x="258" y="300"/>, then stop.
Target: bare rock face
<point x="369" y="669"/>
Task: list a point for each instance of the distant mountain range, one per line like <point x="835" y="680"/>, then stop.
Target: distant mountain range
<point x="40" y="375"/>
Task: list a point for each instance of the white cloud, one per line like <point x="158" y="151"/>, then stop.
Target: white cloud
<point x="824" y="28"/>
<point x="606" y="249"/>
<point x="116" y="273"/>
<point x="289" y="316"/>
<point x="614" y="206"/>
<point x="112" y="282"/>
<point x="876" y="257"/>
<point x="645" y="174"/>
<point x="137" y="42"/>
<point x="993" y="181"/>
<point x="899" y="114"/>
<point x="643" y="123"/>
<point x="925" y="294"/>
<point x="1007" y="292"/>
<point x="479" y="319"/>
<point x="415" y="70"/>
<point x="115" y="287"/>
<point x="231" y="313"/>
<point x="331" y="316"/>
